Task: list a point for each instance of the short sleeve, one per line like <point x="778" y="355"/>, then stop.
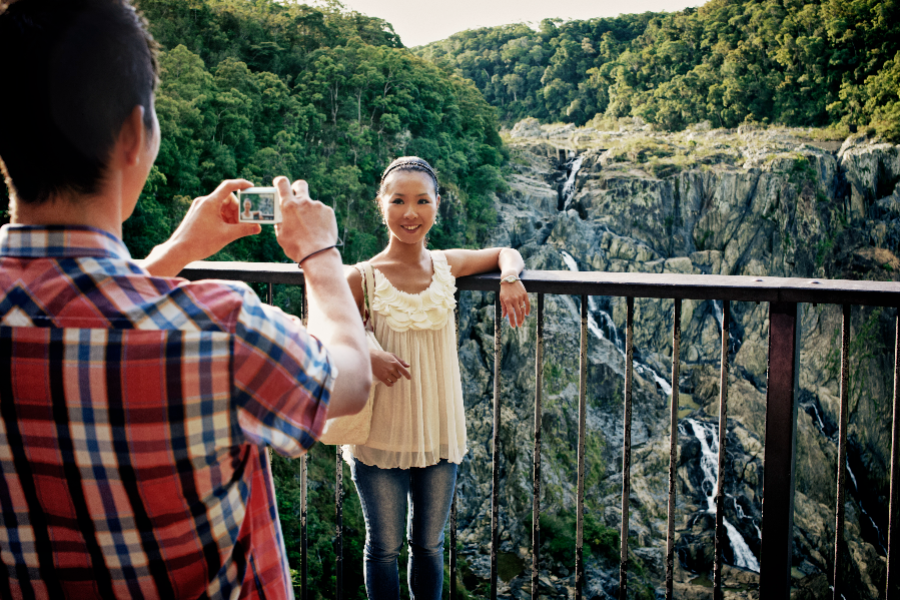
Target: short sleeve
<point x="283" y="379"/>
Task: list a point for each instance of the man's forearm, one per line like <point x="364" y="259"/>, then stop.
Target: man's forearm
<point x="334" y="319"/>
<point x="164" y="261"/>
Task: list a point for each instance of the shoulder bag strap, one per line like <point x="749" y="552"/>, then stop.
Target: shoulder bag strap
<point x="369" y="276"/>
<point x="368" y="287"/>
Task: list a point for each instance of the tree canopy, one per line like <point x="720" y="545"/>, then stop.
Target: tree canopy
<point x="805" y="63"/>
<point x="265" y="88"/>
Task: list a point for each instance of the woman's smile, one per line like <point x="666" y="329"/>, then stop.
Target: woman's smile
<point x="410" y="205"/>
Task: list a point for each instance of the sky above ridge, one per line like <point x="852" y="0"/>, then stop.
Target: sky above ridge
<point x="420" y="22"/>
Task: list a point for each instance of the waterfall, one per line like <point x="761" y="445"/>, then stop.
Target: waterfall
<point x="708" y="436"/>
<point x="743" y="555"/>
<point x="568" y="190"/>
<point x="856" y="492"/>
<point x="614" y="337"/>
<point x="864" y="511"/>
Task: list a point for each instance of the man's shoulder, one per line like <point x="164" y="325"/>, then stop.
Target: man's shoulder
<point x="219" y="301"/>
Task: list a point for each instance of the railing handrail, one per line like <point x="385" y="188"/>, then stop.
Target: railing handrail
<point x="738" y="288"/>
<point x="784" y="294"/>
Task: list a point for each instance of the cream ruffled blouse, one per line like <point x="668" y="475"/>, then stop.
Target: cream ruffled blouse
<point x="418" y="421"/>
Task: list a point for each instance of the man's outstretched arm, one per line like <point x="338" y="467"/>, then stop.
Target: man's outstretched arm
<point x="308" y="227"/>
<point x="210" y="224"/>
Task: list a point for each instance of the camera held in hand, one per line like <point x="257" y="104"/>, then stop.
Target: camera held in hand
<point x="259" y="205"/>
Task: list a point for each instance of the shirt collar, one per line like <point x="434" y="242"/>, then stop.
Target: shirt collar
<point x="60" y="241"/>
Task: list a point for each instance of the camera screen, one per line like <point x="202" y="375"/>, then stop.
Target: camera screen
<point x="259" y="205"/>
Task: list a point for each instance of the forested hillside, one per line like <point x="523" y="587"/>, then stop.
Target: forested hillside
<point x="263" y="88"/>
<point x="791" y="62"/>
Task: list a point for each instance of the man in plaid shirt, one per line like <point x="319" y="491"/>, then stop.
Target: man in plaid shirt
<point x="134" y="406"/>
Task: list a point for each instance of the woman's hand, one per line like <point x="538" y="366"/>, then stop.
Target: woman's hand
<point x="514" y="302"/>
<point x="387" y="367"/>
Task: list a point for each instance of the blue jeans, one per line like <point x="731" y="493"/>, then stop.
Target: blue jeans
<point x="383" y="494"/>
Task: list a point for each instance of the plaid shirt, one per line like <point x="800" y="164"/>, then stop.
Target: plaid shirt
<point x="133" y="416"/>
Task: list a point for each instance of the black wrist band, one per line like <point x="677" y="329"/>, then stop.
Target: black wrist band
<point x="319" y="251"/>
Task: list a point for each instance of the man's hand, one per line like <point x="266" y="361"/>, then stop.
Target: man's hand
<point x="306" y="225"/>
<point x="210" y="224"/>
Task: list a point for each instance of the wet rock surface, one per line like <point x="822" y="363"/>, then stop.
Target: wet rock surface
<point x="777" y="202"/>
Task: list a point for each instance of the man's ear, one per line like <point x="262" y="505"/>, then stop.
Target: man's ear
<point x="132" y="137"/>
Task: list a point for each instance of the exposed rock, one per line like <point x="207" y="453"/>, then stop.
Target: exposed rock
<point x="756" y="202"/>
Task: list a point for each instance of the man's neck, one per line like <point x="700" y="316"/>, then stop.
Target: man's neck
<point x="96" y="211"/>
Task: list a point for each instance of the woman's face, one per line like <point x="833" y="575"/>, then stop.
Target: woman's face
<point x="409" y="204"/>
<point x="247" y="206"/>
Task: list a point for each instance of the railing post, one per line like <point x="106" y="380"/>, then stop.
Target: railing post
<point x="538" y="417"/>
<point x="453" y="507"/>
<point x="842" y="453"/>
<point x="626" y="449"/>
<point x="339" y="525"/>
<point x="721" y="536"/>
<point x="893" y="558"/>
<point x="673" y="453"/>
<point x="780" y="452"/>
<point x="304" y="545"/>
<point x="495" y="451"/>
<point x="582" y="420"/>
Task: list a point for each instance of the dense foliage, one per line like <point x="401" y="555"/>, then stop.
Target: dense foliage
<point x="264" y="88"/>
<point x="795" y="62"/>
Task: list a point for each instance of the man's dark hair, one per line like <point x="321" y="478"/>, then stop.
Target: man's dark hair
<point x="72" y="72"/>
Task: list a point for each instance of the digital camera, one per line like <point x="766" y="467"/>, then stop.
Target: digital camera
<point x="259" y="205"/>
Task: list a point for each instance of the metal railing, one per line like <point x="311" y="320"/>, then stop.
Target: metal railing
<point x="783" y="295"/>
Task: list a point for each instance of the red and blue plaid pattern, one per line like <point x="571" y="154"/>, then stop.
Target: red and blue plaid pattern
<point x="134" y="411"/>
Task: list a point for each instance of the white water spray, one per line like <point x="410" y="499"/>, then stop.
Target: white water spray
<point x="708" y="436"/>
<point x="643" y="369"/>
<point x="569" y="187"/>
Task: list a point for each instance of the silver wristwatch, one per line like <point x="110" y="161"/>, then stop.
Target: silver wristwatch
<point x="509" y="279"/>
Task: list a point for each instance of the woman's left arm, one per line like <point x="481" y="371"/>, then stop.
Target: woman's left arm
<point x="513" y="298"/>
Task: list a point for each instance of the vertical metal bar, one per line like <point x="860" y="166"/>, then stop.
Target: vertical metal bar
<point x="270" y="294"/>
<point x="582" y="420"/>
<point x="304" y="555"/>
<point x="453" y="507"/>
<point x="304" y="306"/>
<point x="780" y="452"/>
<point x="538" y="417"/>
<point x="339" y="525"/>
<point x="626" y="450"/>
<point x="723" y="433"/>
<point x="453" y="558"/>
<point x="842" y="452"/>
<point x="495" y="452"/>
<point x="673" y="453"/>
<point x="304" y="496"/>
<point x="893" y="558"/>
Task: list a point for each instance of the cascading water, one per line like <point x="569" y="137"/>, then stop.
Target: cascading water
<point x="743" y="555"/>
<point x="875" y="526"/>
<point x="568" y="190"/>
<point x="708" y="436"/>
<point x="614" y="336"/>
<point x="820" y="423"/>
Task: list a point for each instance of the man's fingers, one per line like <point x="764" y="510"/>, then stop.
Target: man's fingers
<point x="283" y="186"/>
<point x="300" y="188"/>
<point x="230" y="186"/>
<point x="244" y="229"/>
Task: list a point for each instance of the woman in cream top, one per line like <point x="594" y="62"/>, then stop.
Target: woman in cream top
<point x="418" y="432"/>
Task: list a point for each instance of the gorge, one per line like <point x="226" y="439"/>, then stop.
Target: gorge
<point x="751" y="201"/>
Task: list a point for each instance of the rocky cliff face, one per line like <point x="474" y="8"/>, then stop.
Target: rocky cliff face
<point x="772" y="202"/>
